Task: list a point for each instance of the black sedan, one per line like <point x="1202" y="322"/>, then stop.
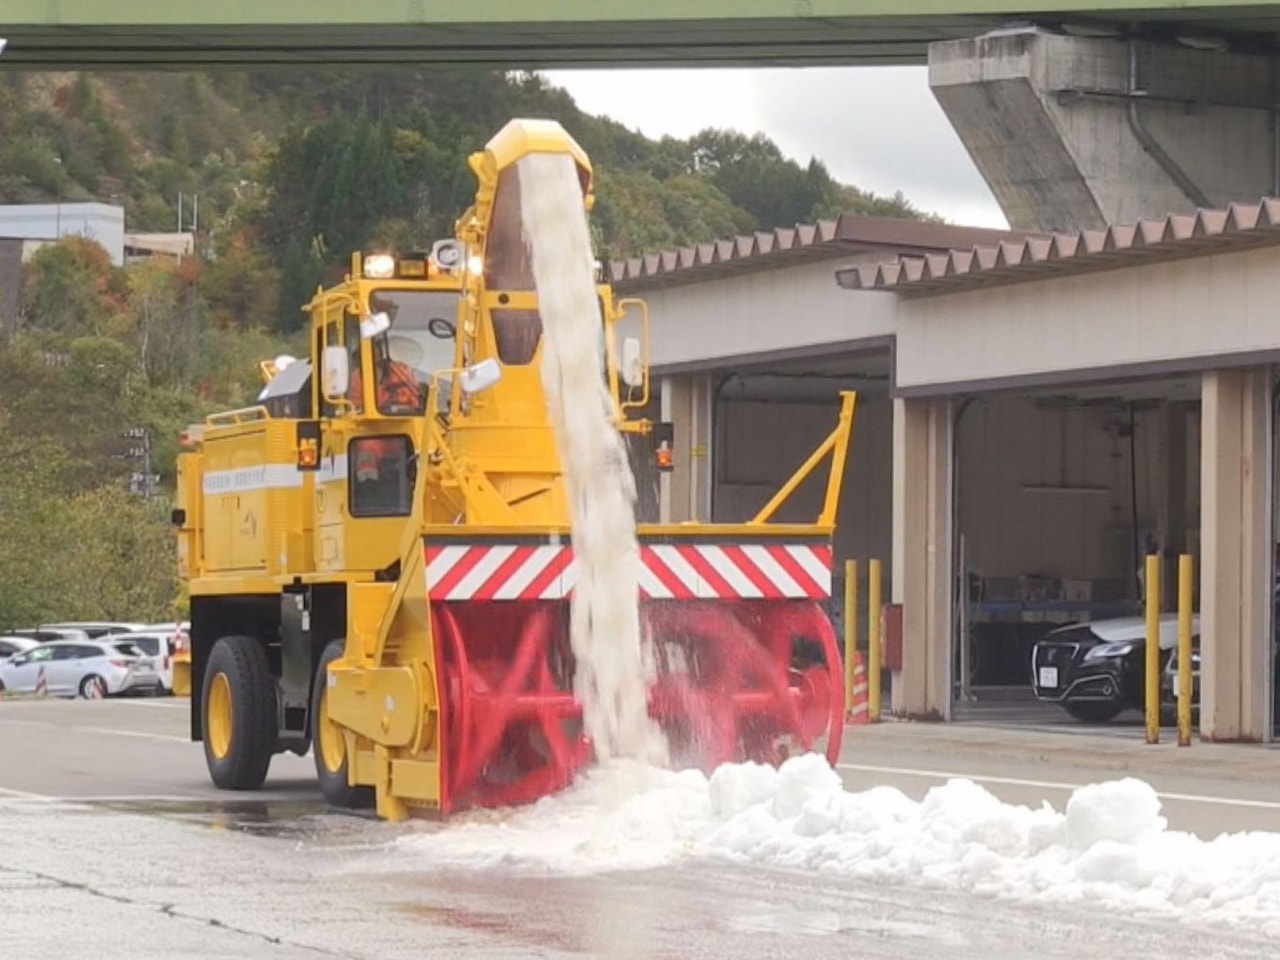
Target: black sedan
<point x="1095" y="670"/>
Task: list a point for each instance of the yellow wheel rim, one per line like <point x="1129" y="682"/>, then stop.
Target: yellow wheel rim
<point x="333" y="746"/>
<point x="217" y="725"/>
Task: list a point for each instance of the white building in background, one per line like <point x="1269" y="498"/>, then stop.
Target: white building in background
<point x="144" y="246"/>
<point x="36" y="224"/>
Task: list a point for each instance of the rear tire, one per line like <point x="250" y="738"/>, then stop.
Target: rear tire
<point x="330" y="753"/>
<point x="1089" y="711"/>
<point x="240" y="723"/>
<point x="93" y="687"/>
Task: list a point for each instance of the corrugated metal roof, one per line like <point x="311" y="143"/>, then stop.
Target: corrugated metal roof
<point x="1175" y="236"/>
<point x="787" y="246"/>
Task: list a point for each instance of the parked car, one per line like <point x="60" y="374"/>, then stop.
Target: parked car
<point x="11" y="645"/>
<point x="74" y="667"/>
<point x="95" y="630"/>
<point x="1169" y="682"/>
<point x="47" y="634"/>
<point x="1096" y="670"/>
<point x="160" y="644"/>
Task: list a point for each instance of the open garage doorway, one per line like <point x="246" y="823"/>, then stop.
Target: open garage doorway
<point x="1059" y="496"/>
<point x="767" y="420"/>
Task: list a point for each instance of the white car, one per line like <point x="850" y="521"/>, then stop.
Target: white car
<point x="44" y="634"/>
<point x="94" y="629"/>
<point x="80" y="668"/>
<point x="160" y="644"/>
<point x="11" y="645"/>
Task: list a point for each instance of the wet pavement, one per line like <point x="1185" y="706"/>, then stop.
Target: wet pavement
<point x="114" y="846"/>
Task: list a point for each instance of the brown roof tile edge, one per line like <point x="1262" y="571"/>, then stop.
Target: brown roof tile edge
<point x="1030" y="256"/>
<point x="843" y="232"/>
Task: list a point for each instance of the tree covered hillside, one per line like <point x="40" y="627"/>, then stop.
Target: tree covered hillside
<point x="292" y="172"/>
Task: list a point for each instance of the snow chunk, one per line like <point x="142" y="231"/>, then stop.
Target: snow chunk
<point x="1122" y="810"/>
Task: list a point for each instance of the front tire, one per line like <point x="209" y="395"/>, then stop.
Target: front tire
<point x="240" y="723"/>
<point x="329" y="744"/>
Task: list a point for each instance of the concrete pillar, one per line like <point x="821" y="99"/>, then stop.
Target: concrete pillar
<point x="1235" y="620"/>
<point x="1077" y="133"/>
<point x="922" y="523"/>
<point x="685" y="492"/>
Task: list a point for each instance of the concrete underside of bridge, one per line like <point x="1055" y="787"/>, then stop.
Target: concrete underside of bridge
<point x="1077" y="133"/>
<point x="515" y="34"/>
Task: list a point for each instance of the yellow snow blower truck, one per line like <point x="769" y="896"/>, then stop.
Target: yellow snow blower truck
<point x="381" y="563"/>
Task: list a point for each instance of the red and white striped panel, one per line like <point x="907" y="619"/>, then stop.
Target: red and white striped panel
<point x="669" y="572"/>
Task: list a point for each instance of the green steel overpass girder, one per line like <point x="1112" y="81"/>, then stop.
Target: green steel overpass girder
<point x="535" y="34"/>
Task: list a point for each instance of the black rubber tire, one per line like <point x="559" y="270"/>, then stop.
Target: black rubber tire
<point x="1093" y="711"/>
<point x="254" y="724"/>
<point x="334" y="786"/>
<point x="83" y="689"/>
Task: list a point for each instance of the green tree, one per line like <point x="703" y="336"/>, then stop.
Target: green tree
<point x="128" y="567"/>
<point x="299" y="277"/>
<point x="164" y="312"/>
<point x="71" y="288"/>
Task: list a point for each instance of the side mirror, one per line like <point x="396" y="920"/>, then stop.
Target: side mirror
<point x="632" y="366"/>
<point x="335" y="376"/>
<point x="480" y="376"/>
<point x="370" y="327"/>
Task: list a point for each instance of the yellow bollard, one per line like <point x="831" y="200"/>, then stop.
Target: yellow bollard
<point x="1152" y="698"/>
<point x="1184" y="650"/>
<point x="873" y="641"/>
<point x="850" y="628"/>
<point x="182" y="673"/>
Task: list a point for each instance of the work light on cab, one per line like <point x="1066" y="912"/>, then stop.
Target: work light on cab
<point x="379" y="266"/>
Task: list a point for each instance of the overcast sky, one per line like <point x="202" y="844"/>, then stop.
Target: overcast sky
<point x="877" y="128"/>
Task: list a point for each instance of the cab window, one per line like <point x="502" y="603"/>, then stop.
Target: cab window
<point x="381" y="478"/>
<point x="355" y="379"/>
<point x="418" y="345"/>
<point x="508" y="266"/>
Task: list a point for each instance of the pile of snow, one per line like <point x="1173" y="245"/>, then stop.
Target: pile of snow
<point x="1110" y="846"/>
<point x="610" y="679"/>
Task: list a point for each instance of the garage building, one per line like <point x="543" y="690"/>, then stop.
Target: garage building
<point x="1036" y="413"/>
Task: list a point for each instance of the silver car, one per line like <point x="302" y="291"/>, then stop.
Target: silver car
<point x="84" y="668"/>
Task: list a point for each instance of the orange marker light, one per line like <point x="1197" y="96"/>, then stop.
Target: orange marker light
<point x="307" y="454"/>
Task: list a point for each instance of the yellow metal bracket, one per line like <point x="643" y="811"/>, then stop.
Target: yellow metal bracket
<point x="836" y="444"/>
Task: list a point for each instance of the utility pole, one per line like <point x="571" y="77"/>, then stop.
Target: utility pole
<point x="57" y="229"/>
<point x="146" y="481"/>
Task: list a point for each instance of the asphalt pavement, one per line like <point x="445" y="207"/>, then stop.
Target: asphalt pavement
<point x="113" y="845"/>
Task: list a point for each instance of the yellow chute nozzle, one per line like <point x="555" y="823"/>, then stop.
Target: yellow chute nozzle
<point x="521" y="137"/>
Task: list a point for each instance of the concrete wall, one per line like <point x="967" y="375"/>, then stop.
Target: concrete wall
<point x="759" y="446"/>
<point x="1005" y="444"/>
<point x="10" y="285"/>
<point x="1049" y="123"/>
<point x="785" y="309"/>
<point x="1194" y="312"/>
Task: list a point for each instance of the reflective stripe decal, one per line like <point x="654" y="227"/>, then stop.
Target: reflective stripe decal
<point x="271" y="476"/>
<point x="790" y="571"/>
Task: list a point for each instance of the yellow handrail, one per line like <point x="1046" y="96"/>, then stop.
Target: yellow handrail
<point x="231" y="417"/>
<point x="837" y="443"/>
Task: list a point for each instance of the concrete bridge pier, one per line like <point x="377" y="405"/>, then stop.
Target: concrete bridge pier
<point x="1077" y="133"/>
